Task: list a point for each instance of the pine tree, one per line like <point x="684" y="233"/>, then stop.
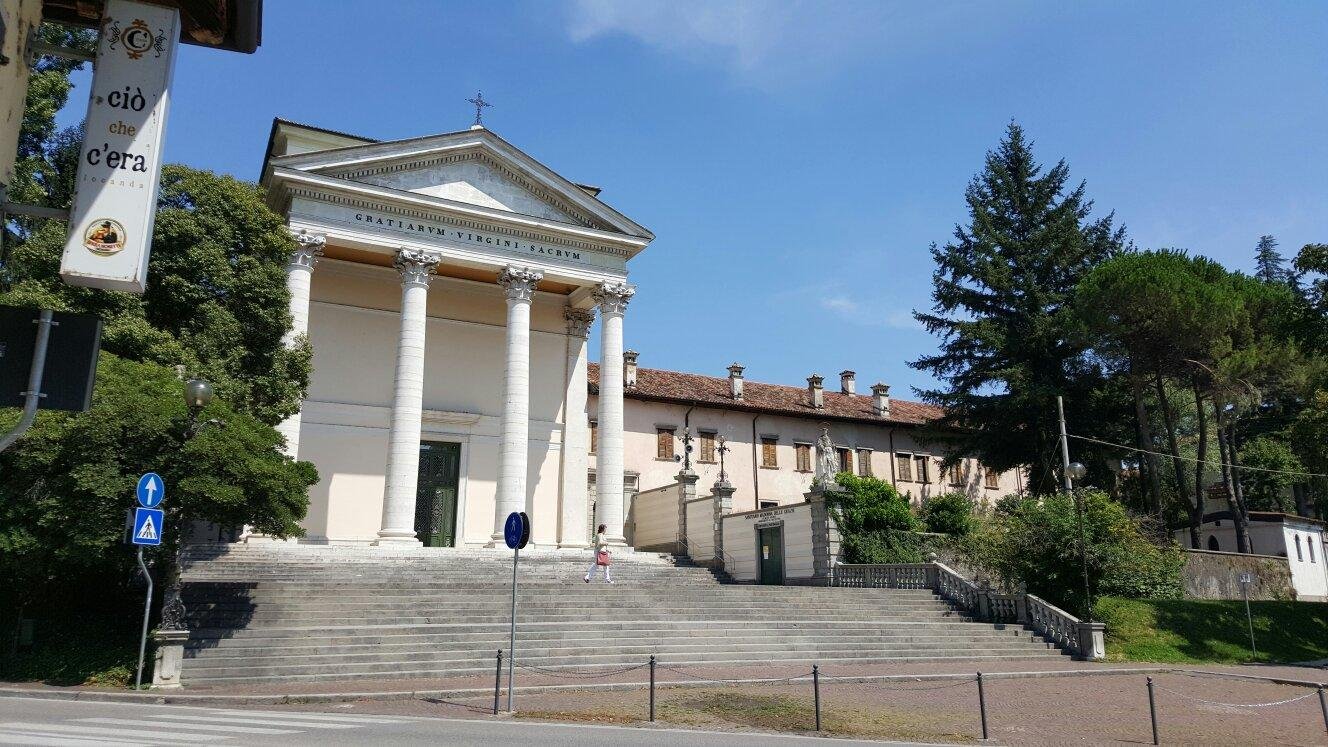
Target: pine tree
<point x="1002" y="294"/>
<point x="1269" y="264"/>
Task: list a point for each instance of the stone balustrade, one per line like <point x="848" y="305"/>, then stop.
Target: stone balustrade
<point x="1084" y="640"/>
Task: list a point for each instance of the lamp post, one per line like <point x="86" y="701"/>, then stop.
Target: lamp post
<point x="1074" y="472"/>
<point x="721" y="450"/>
<point x="198" y="393"/>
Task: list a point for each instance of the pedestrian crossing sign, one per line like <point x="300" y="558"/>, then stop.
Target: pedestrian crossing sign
<point x="147" y="526"/>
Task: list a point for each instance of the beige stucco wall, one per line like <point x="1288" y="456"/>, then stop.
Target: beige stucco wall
<point x="741" y="552"/>
<point x="783" y="483"/>
<point x="653" y="519"/>
<point x="353" y="326"/>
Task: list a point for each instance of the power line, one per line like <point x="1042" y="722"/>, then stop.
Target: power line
<point x="1193" y="459"/>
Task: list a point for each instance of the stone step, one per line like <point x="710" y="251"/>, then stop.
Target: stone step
<point x="492" y="642"/>
<point x="616" y="652"/>
<point x="679" y="627"/>
<point x="486" y="667"/>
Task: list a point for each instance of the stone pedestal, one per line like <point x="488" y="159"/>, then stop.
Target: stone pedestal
<point x="722" y="495"/>
<point x="825" y="536"/>
<point x="168" y="659"/>
<point x="686" y="492"/>
<point x="1092" y="641"/>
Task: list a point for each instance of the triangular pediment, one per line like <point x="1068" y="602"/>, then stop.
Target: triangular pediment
<point x="475" y="178"/>
<point x="473" y="167"/>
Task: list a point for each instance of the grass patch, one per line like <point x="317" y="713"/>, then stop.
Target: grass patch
<point x="737" y="710"/>
<point x="1213" y="631"/>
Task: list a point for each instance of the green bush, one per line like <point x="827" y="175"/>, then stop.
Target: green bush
<point x="950" y="513"/>
<point x="876" y="524"/>
<point x="1035" y="543"/>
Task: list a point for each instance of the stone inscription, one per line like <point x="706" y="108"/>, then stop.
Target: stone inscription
<point x="772" y="513"/>
<point x="465" y="234"/>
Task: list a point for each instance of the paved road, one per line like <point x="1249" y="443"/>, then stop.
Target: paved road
<point x="34" y="721"/>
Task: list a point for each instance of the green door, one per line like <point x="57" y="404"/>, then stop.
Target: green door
<point x="436" y="495"/>
<point x="770" y="554"/>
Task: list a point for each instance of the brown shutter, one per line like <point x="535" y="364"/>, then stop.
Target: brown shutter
<point x="768" y="458"/>
<point x="905" y="464"/>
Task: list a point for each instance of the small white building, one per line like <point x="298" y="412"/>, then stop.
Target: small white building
<point x="1299" y="539"/>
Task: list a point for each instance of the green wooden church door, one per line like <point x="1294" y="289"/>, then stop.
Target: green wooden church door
<point x="436" y="495"/>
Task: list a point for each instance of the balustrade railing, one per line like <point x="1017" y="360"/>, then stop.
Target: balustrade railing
<point x="1052" y="623"/>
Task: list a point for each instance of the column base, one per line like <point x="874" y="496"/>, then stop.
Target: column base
<point x="398" y="539"/>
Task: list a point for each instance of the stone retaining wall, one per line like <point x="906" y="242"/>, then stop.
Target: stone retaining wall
<point x="1216" y="575"/>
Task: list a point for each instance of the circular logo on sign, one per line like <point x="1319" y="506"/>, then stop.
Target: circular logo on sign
<point x="104" y="237"/>
<point x="137" y="39"/>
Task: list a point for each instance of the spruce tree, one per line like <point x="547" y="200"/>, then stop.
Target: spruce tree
<point x="1003" y="289"/>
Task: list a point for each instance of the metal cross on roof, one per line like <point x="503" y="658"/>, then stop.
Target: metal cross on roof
<point x="480" y="105"/>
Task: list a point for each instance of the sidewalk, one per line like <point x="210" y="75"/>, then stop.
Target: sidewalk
<point x="528" y="681"/>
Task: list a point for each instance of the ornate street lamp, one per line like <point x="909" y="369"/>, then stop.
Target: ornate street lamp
<point x="1077" y="471"/>
<point x="198" y="393"/>
<point x="722" y="449"/>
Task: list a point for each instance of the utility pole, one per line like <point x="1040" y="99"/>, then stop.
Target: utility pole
<point x="1065" y="446"/>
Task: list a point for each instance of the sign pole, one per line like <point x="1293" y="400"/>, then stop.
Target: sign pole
<point x="511" y="644"/>
<point x="32" y="397"/>
<point x="1245" y="579"/>
<point x="147" y="609"/>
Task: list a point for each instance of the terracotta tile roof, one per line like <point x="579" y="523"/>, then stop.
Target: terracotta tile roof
<point x="675" y="386"/>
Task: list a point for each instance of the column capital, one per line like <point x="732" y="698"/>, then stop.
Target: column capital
<point x="578" y="322"/>
<point x="519" y="282"/>
<point x="612" y="298"/>
<point x="416" y="265"/>
<point x="308" y="248"/>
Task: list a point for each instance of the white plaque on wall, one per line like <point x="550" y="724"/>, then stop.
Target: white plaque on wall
<point x="110" y="223"/>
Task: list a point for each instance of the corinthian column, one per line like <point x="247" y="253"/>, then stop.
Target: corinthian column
<point x="514" y="447"/>
<point x="403" y="436"/>
<point x="572" y="518"/>
<point x="612" y="299"/>
<point x="299" y="274"/>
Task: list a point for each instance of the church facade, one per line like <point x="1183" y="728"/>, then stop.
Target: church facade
<point x="448" y="286"/>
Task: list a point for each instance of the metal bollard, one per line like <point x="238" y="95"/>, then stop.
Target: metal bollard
<point x="1152" y="710"/>
<point x="652" y="688"/>
<point x="1323" y="706"/>
<point x="816" y="693"/>
<point x="497" y="682"/>
<point x="982" y="705"/>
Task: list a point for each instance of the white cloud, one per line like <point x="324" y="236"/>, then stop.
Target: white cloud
<point x="776" y="42"/>
<point x="866" y="312"/>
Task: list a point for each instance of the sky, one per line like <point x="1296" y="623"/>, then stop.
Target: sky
<point x="796" y="159"/>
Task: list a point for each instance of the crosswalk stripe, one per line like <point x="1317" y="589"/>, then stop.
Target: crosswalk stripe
<point x="223" y="728"/>
<point x="55" y="740"/>
<point x="95" y="731"/>
<point x="259" y="721"/>
<point x="319" y="717"/>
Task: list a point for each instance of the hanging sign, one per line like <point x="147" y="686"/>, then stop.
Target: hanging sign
<point x="115" y="202"/>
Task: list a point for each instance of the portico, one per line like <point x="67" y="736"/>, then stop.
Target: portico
<point x="499" y="265"/>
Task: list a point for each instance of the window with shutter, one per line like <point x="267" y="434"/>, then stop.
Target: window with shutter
<point x="955" y="475"/>
<point x="768" y="458"/>
<point x="804" y="455"/>
<point x="594" y="436"/>
<point x="845" y="460"/>
<point x="991" y="478"/>
<point x="921" y="469"/>
<point x="708" y="447"/>
<point x="864" y="463"/>
<point x="664" y="443"/>
<point x="904" y="465"/>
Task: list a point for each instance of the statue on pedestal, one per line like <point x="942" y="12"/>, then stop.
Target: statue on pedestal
<point x="827" y="462"/>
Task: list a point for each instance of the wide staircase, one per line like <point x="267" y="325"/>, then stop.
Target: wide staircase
<point x="303" y="613"/>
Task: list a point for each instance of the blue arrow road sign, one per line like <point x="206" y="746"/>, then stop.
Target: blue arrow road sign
<point x="147" y="526"/>
<point x="151" y="490"/>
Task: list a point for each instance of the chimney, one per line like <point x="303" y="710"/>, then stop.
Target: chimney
<point x="881" y="399"/>
<point x="629" y="368"/>
<point x="847" y="382"/>
<point x="735" y="381"/>
<point x="815" y="391"/>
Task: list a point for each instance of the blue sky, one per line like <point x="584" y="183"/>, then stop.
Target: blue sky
<point x="796" y="159"/>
